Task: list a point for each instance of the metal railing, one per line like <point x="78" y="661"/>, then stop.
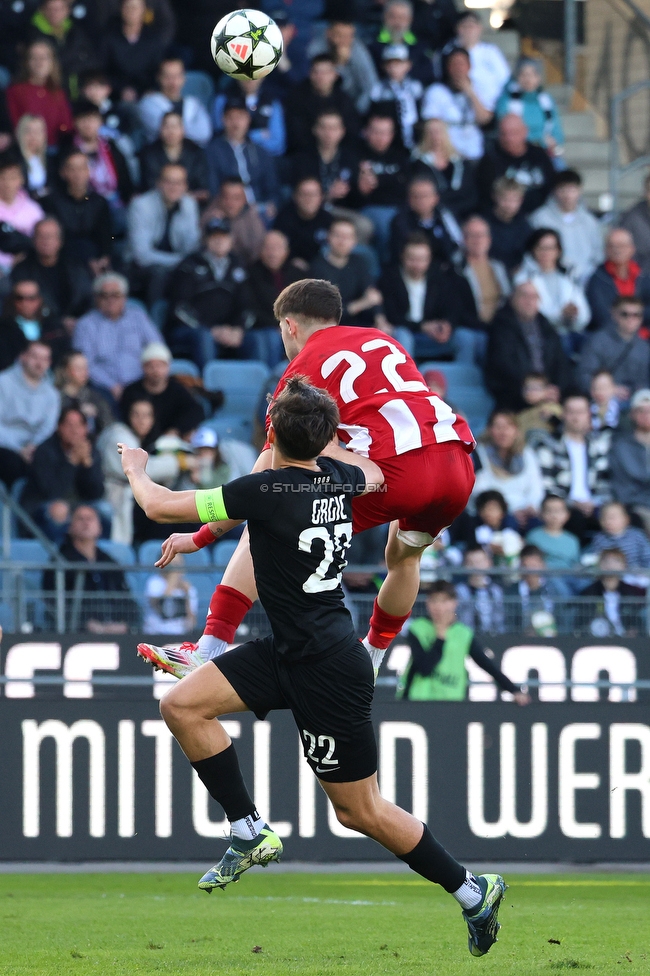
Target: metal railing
<point x="65" y="606"/>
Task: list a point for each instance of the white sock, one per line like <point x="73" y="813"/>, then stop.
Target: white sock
<point x="211" y="647"/>
<point x="248" y="828"/>
<point x="376" y="654"/>
<point x="469" y="895"/>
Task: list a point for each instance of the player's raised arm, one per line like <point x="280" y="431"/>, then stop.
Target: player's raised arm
<point x="158" y="503"/>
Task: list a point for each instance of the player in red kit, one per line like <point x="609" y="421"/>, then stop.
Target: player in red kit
<point x="387" y="414"/>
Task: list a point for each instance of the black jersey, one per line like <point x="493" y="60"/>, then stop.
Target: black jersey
<point x="300" y="525"/>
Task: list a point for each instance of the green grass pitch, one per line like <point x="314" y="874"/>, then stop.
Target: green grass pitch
<point x="313" y="925"/>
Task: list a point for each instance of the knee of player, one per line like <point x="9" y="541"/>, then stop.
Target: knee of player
<point x="171" y="708"/>
<point x="350" y="817"/>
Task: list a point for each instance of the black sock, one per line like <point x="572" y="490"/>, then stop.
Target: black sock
<point x="433" y="862"/>
<point x="223" y="780"/>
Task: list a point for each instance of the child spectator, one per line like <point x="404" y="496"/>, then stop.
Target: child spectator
<point x="605" y="407"/>
<point x="31" y="137"/>
<point x="560" y="549"/>
<point x="481" y="599"/>
<point x="617" y="533"/>
<point x="544" y="411"/>
<point x="399" y="90"/>
<point x="615" y="612"/>
<point x="532" y="611"/>
<point x="440" y="645"/>
<point x="172" y="601"/>
<point x="492" y="528"/>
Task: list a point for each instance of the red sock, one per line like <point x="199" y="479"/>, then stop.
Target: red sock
<point x="228" y="607"/>
<point x="384" y="627"/>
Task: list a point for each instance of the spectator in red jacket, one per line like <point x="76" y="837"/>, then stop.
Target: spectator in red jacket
<point x="38" y="91"/>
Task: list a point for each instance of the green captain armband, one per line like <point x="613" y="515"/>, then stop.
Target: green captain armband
<point x="210" y="505"/>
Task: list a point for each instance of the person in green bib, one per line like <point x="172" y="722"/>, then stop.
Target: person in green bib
<point x="440" y="645"/>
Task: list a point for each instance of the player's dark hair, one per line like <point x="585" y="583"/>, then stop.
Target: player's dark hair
<point x="304" y="419"/>
<point x="310" y="300"/>
<point x="445" y="587"/>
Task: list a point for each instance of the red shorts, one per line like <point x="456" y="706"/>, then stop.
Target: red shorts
<point x="425" y="489"/>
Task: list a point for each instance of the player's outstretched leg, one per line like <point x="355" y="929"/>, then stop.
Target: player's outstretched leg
<point x="398" y="592"/>
<point x="230" y="602"/>
<point x="359" y="805"/>
<point x="190" y="710"/>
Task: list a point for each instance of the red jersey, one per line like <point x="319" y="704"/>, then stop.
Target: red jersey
<point x="386" y="407"/>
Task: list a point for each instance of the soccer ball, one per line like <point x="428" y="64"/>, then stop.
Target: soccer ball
<point x="246" y="44"/>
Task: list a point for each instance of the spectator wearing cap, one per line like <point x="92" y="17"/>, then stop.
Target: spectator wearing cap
<point x="580" y="232"/>
<point x="113" y="335"/>
<point x="175" y="409"/>
<point x="163" y="227"/>
<point x="487" y="278"/>
<point x="458" y="103"/>
<point x="397" y="92"/>
<point x="513" y="155"/>
<point x="304" y="221"/>
<point x="234" y="154"/>
<point x="352" y="59"/>
<point x="206" y="307"/>
<point x="218" y="460"/>
<point x="155" y="105"/>
<point x="618" y="349"/>
<point x="489" y="70"/>
<point x="423" y="213"/>
<point x="267" y="277"/>
<point x="381" y="181"/>
<point x="83" y="214"/>
<point x="321" y="93"/>
<point x="397" y="28"/>
<point x="618" y="276"/>
<point x="630" y="468"/>
<point x="267" y="128"/>
<point x="17" y="210"/>
<point x="426" y="308"/>
<point x="246" y="225"/>
<point x="29" y="407"/>
<point x="171" y="146"/>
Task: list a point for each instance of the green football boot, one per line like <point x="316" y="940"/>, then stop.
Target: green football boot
<point x="240" y="856"/>
<point x="482" y="924"/>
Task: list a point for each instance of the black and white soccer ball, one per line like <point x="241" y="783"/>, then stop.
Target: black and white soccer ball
<point x="246" y="44"/>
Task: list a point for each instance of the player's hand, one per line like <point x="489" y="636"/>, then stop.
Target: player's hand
<point x="522" y="698"/>
<point x="133" y="458"/>
<point x="177" y="542"/>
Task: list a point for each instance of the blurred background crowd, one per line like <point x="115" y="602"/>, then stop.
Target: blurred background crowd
<point x="151" y="210"/>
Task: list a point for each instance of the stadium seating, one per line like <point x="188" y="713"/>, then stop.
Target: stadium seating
<point x="185" y="366"/>
<point x="223" y="551"/>
<point x="241" y="383"/>
<point x="200" y="85"/>
<point x="466" y="391"/>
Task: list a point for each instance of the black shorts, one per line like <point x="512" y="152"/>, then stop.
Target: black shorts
<point x="330" y="699"/>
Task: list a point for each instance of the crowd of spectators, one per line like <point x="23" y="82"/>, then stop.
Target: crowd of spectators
<point x="394" y="152"/>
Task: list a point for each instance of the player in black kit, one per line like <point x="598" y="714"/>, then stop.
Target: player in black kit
<point x="300" y="523"/>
